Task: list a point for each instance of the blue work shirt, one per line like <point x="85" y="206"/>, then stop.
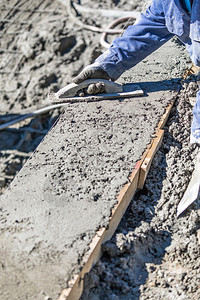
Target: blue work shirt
<point x="162" y="20"/>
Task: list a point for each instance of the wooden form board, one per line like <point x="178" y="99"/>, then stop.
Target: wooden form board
<point x="136" y="181"/>
<point x="193" y="70"/>
<point x="154" y="146"/>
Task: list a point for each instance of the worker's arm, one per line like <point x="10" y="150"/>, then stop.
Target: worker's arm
<point x="137" y="42"/>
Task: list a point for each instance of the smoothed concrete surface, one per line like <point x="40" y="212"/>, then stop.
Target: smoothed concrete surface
<point x="66" y="190"/>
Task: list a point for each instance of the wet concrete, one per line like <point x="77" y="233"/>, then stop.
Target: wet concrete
<point x="154" y="254"/>
<point x="66" y="190"/>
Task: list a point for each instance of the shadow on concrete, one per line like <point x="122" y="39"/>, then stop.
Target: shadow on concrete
<point x="163" y="85"/>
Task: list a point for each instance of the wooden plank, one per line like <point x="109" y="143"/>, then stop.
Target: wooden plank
<point x="148" y="159"/>
<point x="193" y="70"/>
<point x="165" y="117"/>
<point x="154" y="145"/>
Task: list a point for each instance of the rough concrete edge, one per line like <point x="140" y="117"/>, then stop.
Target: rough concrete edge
<point x="136" y="181"/>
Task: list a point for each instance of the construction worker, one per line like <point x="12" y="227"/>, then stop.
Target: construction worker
<point x="161" y="21"/>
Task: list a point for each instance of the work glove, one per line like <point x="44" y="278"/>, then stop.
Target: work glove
<point x="92" y="72"/>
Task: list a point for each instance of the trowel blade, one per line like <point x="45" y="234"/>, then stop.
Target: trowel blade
<point x="129" y="90"/>
<point x="192" y="191"/>
<point x="71" y="89"/>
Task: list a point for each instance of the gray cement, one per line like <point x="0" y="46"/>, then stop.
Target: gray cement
<point x="66" y="190"/>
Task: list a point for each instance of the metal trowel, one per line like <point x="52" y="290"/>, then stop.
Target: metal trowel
<point x="71" y="92"/>
<point x="192" y="191"/>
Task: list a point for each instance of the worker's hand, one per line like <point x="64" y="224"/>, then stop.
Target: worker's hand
<point x="92" y="72"/>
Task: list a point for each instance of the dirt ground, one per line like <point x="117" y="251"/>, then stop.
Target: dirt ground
<point x="153" y="255"/>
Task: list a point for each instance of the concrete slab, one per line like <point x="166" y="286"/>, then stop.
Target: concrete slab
<point x="67" y="189"/>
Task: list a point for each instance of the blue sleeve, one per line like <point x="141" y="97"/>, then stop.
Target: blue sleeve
<point x="138" y="41"/>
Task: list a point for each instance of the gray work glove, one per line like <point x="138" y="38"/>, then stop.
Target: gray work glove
<point x="92" y="72"/>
